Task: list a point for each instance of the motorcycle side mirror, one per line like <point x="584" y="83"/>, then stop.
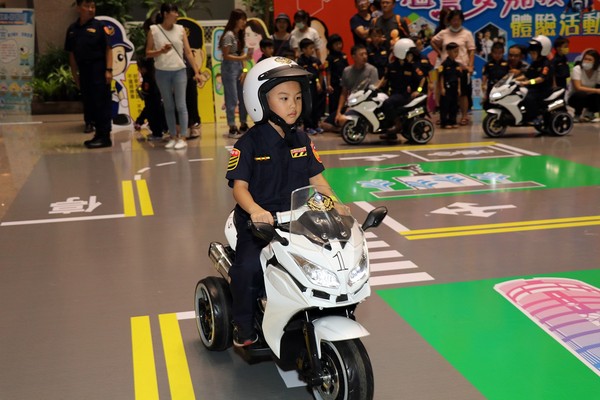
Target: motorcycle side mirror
<point x="266" y="232"/>
<point x="374" y="218"/>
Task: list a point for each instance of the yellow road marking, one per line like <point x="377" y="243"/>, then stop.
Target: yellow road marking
<point x="398" y="148"/>
<point x="144" y="369"/>
<point x="144" y="196"/>
<point x="471" y="230"/>
<point x="128" y="199"/>
<point x="180" y="381"/>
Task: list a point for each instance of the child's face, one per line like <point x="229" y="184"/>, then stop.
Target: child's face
<point x="268" y="51"/>
<point x="285" y="100"/>
<point x="376" y="39"/>
<point x="337" y="46"/>
<point x="497" y="54"/>
<point x="452" y="54"/>
<point x="564" y="49"/>
<point x="308" y="50"/>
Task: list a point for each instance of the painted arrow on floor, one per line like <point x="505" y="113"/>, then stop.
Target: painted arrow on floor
<point x="471" y="209"/>
<point x="381" y="157"/>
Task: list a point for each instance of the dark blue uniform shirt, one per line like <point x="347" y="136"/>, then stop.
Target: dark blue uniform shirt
<point x="272" y="168"/>
<point x="495" y="70"/>
<point x="560" y="65"/>
<point x="378" y="57"/>
<point x="88" y="42"/>
<point x="336" y="63"/>
<point x="541" y="67"/>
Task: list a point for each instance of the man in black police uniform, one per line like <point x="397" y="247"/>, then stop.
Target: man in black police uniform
<point x="90" y="58"/>
<point x="270" y="161"/>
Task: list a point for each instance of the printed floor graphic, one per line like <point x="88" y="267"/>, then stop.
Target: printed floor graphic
<point x="502" y="352"/>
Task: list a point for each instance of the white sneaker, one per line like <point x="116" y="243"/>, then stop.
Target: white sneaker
<point x="170" y="144"/>
<point x="181" y="144"/>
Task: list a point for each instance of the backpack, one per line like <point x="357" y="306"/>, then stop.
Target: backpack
<point x="403" y="30"/>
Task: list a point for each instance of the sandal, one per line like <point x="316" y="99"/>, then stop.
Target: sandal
<point x="464" y="121"/>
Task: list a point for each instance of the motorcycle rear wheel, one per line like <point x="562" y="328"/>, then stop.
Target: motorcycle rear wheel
<point x="212" y="306"/>
<point x="354" y="132"/>
<point x="560" y="123"/>
<point x="348" y="372"/>
<point x="493" y="126"/>
<point x="419" y="131"/>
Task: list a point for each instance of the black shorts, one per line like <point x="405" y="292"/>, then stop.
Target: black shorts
<point x="466" y="86"/>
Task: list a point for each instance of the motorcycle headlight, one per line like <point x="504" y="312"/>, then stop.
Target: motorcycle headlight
<point x="495" y="96"/>
<point x="353" y="101"/>
<point x="317" y="275"/>
<point x="360" y="271"/>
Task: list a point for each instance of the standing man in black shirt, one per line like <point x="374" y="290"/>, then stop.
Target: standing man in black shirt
<point x="360" y="22"/>
<point x="90" y="58"/>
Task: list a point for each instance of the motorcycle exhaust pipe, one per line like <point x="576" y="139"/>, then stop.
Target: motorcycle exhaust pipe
<point x="560" y="103"/>
<point x="220" y="258"/>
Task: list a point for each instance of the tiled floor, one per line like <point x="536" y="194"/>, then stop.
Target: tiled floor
<point x="82" y="262"/>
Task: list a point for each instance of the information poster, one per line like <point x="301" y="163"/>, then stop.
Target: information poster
<point x="17" y="41"/>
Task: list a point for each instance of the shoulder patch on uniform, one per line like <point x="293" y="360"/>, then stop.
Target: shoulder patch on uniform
<point x="299" y="152"/>
<point x="234" y="159"/>
<point x="314" y="150"/>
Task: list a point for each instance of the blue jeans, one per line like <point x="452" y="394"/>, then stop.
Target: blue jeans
<point x="172" y="86"/>
<point x="232" y="87"/>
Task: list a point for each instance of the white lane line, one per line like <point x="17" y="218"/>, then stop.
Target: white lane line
<point x="377" y="244"/>
<point x="166" y="163"/>
<point x="200" y="159"/>
<point x="400" y="278"/>
<point x="391" y="266"/>
<point x="21" y="123"/>
<point x="378" y="255"/>
<point x="53" y="220"/>
<point x="186" y="315"/>
<point x="370" y="235"/>
<point x="518" y="150"/>
<point x="395" y="225"/>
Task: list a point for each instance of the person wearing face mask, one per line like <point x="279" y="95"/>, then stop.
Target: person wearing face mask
<point x="455" y="32"/>
<point x="560" y="64"/>
<point x="585" y="87"/>
<point x="302" y="30"/>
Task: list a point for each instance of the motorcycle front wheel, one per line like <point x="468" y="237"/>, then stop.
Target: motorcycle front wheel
<point x="354" y="132"/>
<point x="347" y="372"/>
<point x="493" y="126"/>
<point x="212" y="305"/>
<point x="419" y="131"/>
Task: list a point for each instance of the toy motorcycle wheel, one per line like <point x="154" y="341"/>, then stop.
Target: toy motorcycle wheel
<point x="493" y="126"/>
<point x="354" y="132"/>
<point x="419" y="131"/>
<point x="347" y="372"/>
<point x="560" y="123"/>
<point x="212" y="305"/>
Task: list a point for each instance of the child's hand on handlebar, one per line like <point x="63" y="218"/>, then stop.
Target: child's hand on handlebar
<point x="262" y="216"/>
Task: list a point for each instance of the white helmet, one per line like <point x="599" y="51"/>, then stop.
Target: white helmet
<point x="267" y="74"/>
<point x="402" y="46"/>
<point x="541" y="44"/>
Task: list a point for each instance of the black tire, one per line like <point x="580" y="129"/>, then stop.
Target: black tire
<point x="348" y="372"/>
<point x="493" y="126"/>
<point x="560" y="123"/>
<point x="355" y="132"/>
<point x="419" y="131"/>
<point x="212" y="305"/>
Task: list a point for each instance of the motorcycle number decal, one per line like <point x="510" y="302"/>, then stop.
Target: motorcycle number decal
<point x="234" y="159"/>
<point x="340" y="261"/>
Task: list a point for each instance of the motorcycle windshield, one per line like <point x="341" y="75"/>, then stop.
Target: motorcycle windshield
<point x="502" y="82"/>
<point x="319" y="216"/>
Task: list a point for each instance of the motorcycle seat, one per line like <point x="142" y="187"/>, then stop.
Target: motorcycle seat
<point x="415" y="101"/>
<point x="556" y="93"/>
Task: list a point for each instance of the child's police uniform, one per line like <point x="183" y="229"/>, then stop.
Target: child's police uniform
<point x="541" y="67"/>
<point x="273" y="168"/>
<point x="337" y="61"/>
<point x="378" y="57"/>
<point x="494" y="70"/>
<point x="451" y="71"/>
<point x="313" y="65"/>
<point x="88" y="43"/>
<point x="560" y="66"/>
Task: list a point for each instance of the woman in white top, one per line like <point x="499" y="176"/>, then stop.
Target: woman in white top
<point x="168" y="44"/>
<point x="585" y="86"/>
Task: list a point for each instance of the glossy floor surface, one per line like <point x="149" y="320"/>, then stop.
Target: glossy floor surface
<point x="100" y="252"/>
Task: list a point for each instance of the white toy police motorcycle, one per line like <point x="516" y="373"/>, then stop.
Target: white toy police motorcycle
<point x="506" y="108"/>
<point x="316" y="271"/>
<point x="364" y="113"/>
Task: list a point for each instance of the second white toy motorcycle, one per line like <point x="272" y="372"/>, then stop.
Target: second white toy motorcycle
<point x="316" y="271"/>
<point x="506" y="109"/>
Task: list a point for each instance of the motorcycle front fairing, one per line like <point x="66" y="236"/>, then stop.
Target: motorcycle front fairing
<point x="507" y="95"/>
<point x="324" y="266"/>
